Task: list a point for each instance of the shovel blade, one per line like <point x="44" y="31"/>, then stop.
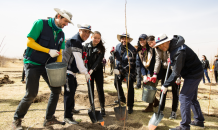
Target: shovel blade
<point x="120" y="113"/>
<point x="154" y="121"/>
<point x="95" y="116"/>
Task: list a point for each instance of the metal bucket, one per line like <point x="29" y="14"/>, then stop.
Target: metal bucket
<point x="56" y="73"/>
<point x="148" y="93"/>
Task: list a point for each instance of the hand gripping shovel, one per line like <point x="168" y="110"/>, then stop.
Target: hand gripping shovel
<point x="157" y="117"/>
<point x="95" y="116"/>
<point x="119" y="111"/>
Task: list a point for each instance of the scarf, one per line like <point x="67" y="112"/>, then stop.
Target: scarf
<point x="55" y="27"/>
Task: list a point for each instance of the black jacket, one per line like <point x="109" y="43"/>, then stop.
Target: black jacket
<point x="184" y="61"/>
<point x="94" y="57"/>
<point x="205" y="64"/>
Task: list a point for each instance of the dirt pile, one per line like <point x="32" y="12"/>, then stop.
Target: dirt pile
<point x="80" y="98"/>
<point x="5" y="80"/>
<point x="91" y="126"/>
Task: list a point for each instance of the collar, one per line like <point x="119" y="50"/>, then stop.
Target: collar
<point x="50" y="24"/>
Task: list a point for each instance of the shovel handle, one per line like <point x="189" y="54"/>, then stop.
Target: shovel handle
<point x="162" y="94"/>
<point x="116" y="77"/>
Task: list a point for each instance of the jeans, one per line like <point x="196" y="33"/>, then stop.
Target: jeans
<point x="206" y="74"/>
<point x="33" y="73"/>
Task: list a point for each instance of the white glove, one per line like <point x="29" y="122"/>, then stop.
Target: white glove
<point x="90" y="72"/>
<point x="164" y="89"/>
<point x="178" y="81"/>
<point x="87" y="77"/>
<point x="145" y="79"/>
<point x="211" y="70"/>
<point x="53" y="53"/>
<point x="116" y="71"/>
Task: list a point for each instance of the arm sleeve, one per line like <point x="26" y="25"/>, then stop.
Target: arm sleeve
<point x="36" y="29"/>
<point x="79" y="62"/>
<point x="59" y="58"/>
<point x="178" y="65"/>
<point x="32" y="44"/>
<point x="158" y="55"/>
<point x="97" y="62"/>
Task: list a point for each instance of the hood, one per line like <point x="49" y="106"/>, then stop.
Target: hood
<point x="176" y="42"/>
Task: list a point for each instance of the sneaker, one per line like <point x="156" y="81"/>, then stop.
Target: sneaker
<point x="199" y="124"/>
<point x="74" y="111"/>
<point x="16" y="125"/>
<point x="130" y="110"/>
<point x="103" y="112"/>
<point x="52" y="121"/>
<point x="173" y="115"/>
<point x="70" y="121"/>
<point x="177" y="128"/>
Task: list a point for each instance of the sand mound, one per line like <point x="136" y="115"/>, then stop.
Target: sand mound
<point x="5" y="80"/>
<point x="80" y="98"/>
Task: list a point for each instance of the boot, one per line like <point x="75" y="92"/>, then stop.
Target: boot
<point x="156" y="102"/>
<point x="149" y="108"/>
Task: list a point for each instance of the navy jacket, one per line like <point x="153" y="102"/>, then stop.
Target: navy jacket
<point x="46" y="39"/>
<point x="124" y="59"/>
<point x="74" y="44"/>
<point x="184" y="61"/>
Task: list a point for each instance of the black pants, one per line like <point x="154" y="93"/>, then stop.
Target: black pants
<point x="33" y="73"/>
<point x="112" y="68"/>
<point x="97" y="76"/>
<point x="23" y="74"/>
<point x="69" y="101"/>
<point x="215" y="75"/>
<point x="138" y="77"/>
<point x="130" y="101"/>
<point x="175" y="92"/>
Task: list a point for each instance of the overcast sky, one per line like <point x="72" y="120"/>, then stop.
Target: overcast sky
<point x="195" y="20"/>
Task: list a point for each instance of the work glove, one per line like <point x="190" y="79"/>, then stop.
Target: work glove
<point x="168" y="60"/>
<point x="90" y="72"/>
<point x="87" y="77"/>
<point x="178" y="81"/>
<point x="154" y="78"/>
<point x="53" y="53"/>
<point x="211" y="70"/>
<point x="116" y="71"/>
<point x="113" y="49"/>
<point x="164" y="89"/>
<point x="145" y="79"/>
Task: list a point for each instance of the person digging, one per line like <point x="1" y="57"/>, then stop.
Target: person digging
<point x="187" y="64"/>
<point x="122" y="68"/>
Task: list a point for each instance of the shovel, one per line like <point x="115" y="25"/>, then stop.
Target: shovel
<point x="119" y="111"/>
<point x="157" y="117"/>
<point x="95" y="116"/>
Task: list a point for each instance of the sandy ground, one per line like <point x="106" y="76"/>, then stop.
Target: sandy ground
<point x="11" y="94"/>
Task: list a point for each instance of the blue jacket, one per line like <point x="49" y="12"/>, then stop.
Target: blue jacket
<point x="122" y="62"/>
<point x="184" y="61"/>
